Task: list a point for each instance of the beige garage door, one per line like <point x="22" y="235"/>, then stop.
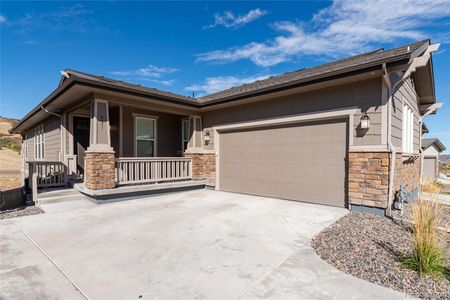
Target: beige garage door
<point x="304" y="162"/>
<point x="429" y="168"/>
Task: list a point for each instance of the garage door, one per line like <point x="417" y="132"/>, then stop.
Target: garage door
<point x="429" y="168"/>
<point x="304" y="162"/>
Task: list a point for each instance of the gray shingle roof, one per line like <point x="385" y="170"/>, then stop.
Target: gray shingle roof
<point x="426" y="143"/>
<point x="120" y="83"/>
<point x="302" y="75"/>
<point x="377" y="56"/>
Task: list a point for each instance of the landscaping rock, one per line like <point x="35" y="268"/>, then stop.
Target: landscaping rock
<point x="20" y="212"/>
<point x="370" y="247"/>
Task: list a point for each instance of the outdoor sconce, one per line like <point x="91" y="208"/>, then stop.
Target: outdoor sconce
<point x="206" y="138"/>
<point x="365" y="121"/>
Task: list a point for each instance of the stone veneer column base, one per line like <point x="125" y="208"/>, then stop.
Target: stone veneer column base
<point x="99" y="170"/>
<point x="407" y="171"/>
<point x="368" y="179"/>
<point x="203" y="166"/>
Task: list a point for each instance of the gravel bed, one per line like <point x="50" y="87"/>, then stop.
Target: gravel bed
<point x="20" y="212"/>
<point x="407" y="215"/>
<point x="369" y="247"/>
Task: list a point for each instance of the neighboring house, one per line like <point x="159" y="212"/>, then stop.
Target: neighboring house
<point x="346" y="133"/>
<point x="431" y="149"/>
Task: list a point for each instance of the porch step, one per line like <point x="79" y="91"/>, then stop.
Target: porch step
<point x="59" y="195"/>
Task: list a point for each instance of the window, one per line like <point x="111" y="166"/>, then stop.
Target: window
<point x="408" y="129"/>
<point x="39" y="142"/>
<point x="145" y="143"/>
<point x="185" y="133"/>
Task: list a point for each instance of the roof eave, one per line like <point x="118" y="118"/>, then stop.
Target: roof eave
<point x="72" y="80"/>
<point x="326" y="76"/>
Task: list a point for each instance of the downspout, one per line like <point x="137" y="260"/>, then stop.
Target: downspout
<point x="63" y="152"/>
<point x="418" y="62"/>
<point x="391" y="147"/>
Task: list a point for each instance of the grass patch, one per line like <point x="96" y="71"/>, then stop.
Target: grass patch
<point x="12" y="143"/>
<point x="427" y="254"/>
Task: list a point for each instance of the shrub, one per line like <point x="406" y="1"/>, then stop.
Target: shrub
<point x="427" y="255"/>
<point x="15" y="147"/>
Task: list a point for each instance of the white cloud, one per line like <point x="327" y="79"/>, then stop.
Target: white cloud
<point x="150" y="73"/>
<point x="229" y="20"/>
<point x="345" y="27"/>
<point x="220" y="83"/>
<point x="73" y="18"/>
<point x="2" y="19"/>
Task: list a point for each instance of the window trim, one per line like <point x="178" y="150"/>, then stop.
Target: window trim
<point x="155" y="133"/>
<point x="39" y="130"/>
<point x="183" y="140"/>
<point x="407" y="129"/>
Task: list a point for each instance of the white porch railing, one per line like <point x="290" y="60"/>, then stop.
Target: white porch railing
<point x="133" y="170"/>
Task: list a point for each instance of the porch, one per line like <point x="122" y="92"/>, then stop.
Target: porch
<point x="109" y="145"/>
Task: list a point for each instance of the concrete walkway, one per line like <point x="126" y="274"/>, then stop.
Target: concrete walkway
<point x="191" y="245"/>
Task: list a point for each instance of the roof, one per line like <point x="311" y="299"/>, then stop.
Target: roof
<point x="365" y="61"/>
<point x="358" y="61"/>
<point x="120" y="83"/>
<point x="426" y="143"/>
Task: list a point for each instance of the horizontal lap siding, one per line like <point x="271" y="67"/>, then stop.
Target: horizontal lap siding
<point x="52" y="138"/>
<point x="365" y="95"/>
<point x="404" y="94"/>
<point x="168" y="132"/>
<point x="29" y="135"/>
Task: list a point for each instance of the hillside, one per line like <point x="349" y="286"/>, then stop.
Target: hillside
<point x="10" y="159"/>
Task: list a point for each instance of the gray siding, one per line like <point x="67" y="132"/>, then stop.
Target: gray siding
<point x="52" y="138"/>
<point x="366" y="95"/>
<point x="168" y="132"/>
<point x="405" y="92"/>
<point x="30" y="144"/>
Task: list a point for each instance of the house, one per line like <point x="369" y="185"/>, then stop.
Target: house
<point x="345" y="133"/>
<point x="432" y="147"/>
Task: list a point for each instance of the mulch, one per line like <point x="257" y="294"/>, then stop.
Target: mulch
<point x="20" y="212"/>
<point x="370" y="247"/>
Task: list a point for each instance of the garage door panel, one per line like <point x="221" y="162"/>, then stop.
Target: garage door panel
<point x="429" y="168"/>
<point x="303" y="162"/>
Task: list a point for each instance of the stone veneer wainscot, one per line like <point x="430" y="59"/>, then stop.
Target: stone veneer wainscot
<point x="368" y="179"/>
<point x="203" y="166"/>
<point x="99" y="170"/>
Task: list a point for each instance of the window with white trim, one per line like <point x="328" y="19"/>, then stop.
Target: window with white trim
<point x="408" y="129"/>
<point x="39" y="142"/>
<point x="185" y="129"/>
<point x="145" y="137"/>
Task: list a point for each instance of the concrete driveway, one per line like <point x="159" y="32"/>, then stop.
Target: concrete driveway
<point x="191" y="245"/>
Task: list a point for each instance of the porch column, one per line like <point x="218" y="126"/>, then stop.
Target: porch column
<point x="195" y="126"/>
<point x="99" y="160"/>
<point x="203" y="161"/>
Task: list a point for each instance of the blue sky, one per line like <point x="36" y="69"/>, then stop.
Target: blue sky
<point x="203" y="47"/>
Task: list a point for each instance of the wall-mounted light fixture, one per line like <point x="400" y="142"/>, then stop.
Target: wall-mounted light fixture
<point x="365" y="121"/>
<point x="206" y="138"/>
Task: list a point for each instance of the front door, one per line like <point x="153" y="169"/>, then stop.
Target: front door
<point x="81" y="126"/>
